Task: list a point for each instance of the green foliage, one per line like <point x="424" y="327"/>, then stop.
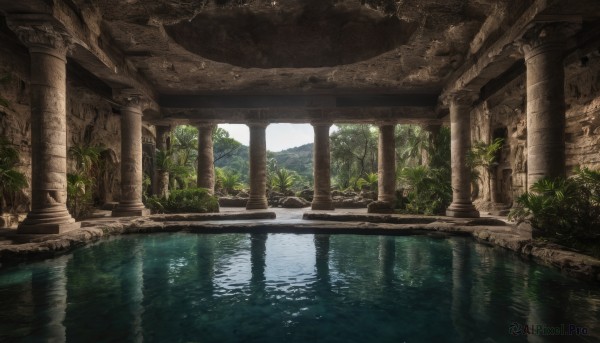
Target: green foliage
<point x="223" y="145"/>
<point x="79" y="194"/>
<point x="429" y="190"/>
<point x="353" y="153"/>
<point x="411" y="142"/>
<point x="564" y="210"/>
<point x="82" y="183"/>
<point x="184" y="139"/>
<point x="369" y="182"/>
<point x="282" y="180"/>
<point x="485" y="156"/>
<point x="191" y="200"/>
<point x="11" y="180"/>
<point x="86" y="157"/>
<point x="227" y="180"/>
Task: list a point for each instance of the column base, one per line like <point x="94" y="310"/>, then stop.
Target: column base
<point x="322" y="205"/>
<point x="462" y="210"/>
<point x="48" y="228"/>
<point x="257" y="204"/>
<point x="380" y="207"/>
<point x="130" y="212"/>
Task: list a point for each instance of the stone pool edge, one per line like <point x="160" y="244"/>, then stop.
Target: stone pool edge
<point x="569" y="262"/>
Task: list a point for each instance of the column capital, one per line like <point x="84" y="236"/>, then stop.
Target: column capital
<point x="130" y="98"/>
<point x="204" y="125"/>
<point x="41" y="35"/>
<point x="545" y="37"/>
<point x="463" y="97"/>
<point x="319" y="122"/>
<point x="258" y="124"/>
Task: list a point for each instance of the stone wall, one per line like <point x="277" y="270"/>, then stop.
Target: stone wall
<point x="503" y="115"/>
<point x="91" y="119"/>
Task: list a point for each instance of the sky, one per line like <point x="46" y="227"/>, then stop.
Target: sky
<point x="279" y="136"/>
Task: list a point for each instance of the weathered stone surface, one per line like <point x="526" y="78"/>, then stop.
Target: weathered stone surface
<point x="294" y="202"/>
<point x="232" y="202"/>
<point x="380" y="207"/>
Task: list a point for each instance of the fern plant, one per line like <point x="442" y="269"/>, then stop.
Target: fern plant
<point x="11" y="180"/>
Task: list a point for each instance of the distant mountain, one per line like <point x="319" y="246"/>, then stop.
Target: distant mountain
<point x="298" y="159"/>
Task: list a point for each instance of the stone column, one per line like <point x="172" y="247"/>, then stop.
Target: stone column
<point x="206" y="169"/>
<point x="460" y="135"/>
<point x="544" y="54"/>
<point x="321" y="168"/>
<point x="258" y="167"/>
<point x="386" y="167"/>
<point x="48" y="50"/>
<point x="161" y="177"/>
<point x="131" y="160"/>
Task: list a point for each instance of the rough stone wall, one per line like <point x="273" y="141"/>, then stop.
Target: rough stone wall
<point x="90" y="119"/>
<point x="582" y="91"/>
<point x="506" y="109"/>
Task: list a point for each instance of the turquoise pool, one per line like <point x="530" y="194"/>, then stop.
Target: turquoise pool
<point x="293" y="288"/>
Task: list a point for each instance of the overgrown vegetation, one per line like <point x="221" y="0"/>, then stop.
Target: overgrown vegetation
<point x="565" y="211"/>
<point x="485" y="156"/>
<point x="191" y="200"/>
<point x="11" y="180"/>
<point x="82" y="184"/>
<point x="428" y="187"/>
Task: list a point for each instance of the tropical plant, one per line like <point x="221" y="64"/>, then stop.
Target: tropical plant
<point x="224" y="146"/>
<point x="353" y="153"/>
<point x="11" y="180"/>
<point x="82" y="184"/>
<point x="429" y="190"/>
<point x="79" y="195"/>
<point x="563" y="210"/>
<point x="86" y="157"/>
<point x="282" y="180"/>
<point x="369" y="181"/>
<point x="191" y="200"/>
<point x="184" y="140"/>
<point x="485" y="156"/>
<point x="228" y="180"/>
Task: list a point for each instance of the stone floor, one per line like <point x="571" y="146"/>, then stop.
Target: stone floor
<point x="16" y="248"/>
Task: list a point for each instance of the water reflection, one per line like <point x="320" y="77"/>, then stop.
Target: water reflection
<point x="259" y="287"/>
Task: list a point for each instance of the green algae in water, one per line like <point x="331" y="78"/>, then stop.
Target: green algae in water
<point x="291" y="288"/>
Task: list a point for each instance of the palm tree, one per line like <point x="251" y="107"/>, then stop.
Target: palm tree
<point x="229" y="180"/>
<point x="370" y="181"/>
<point x="484" y="155"/>
<point x="283" y="180"/>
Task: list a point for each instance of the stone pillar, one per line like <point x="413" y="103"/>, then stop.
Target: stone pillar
<point x="258" y="167"/>
<point x="206" y="169"/>
<point x="48" y="50"/>
<point x="161" y="177"/>
<point x="460" y="134"/>
<point x="544" y="54"/>
<point x="131" y="160"/>
<point x="321" y="168"/>
<point x="386" y="165"/>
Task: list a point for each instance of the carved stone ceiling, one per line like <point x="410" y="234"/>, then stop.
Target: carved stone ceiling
<point x="294" y="46"/>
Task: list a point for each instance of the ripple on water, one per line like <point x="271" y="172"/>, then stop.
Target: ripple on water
<point x="292" y="288"/>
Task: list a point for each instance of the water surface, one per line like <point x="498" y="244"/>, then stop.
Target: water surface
<point x="291" y="288"/>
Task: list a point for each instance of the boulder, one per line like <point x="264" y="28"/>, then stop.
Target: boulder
<point x="307" y="194"/>
<point x="369" y="195"/>
<point x="294" y="202"/>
